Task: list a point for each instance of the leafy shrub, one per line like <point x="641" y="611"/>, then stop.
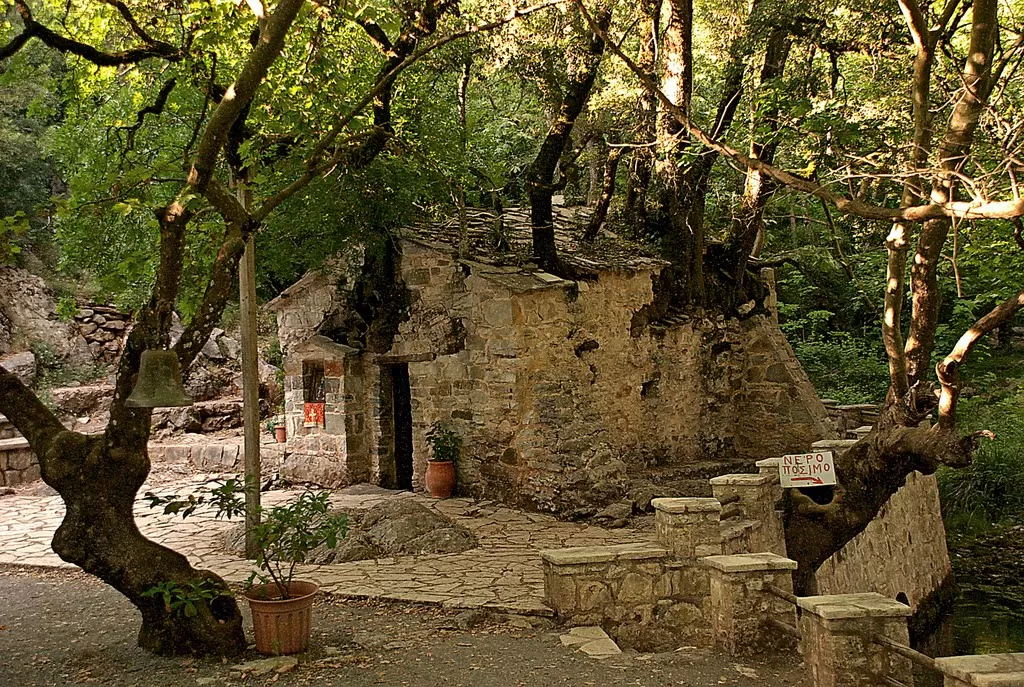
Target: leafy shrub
<point x="847" y="369"/>
<point x="445" y="443"/>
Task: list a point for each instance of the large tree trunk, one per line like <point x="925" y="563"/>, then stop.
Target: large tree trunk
<point x="642" y="159"/>
<point x="540" y="174"/>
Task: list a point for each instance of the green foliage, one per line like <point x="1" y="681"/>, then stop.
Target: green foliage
<point x="990" y="491"/>
<point x="67" y="308"/>
<point x="12" y="228"/>
<point x="445" y="443"/>
<point x="185" y="600"/>
<point x="283" y="538"/>
<point x="224" y="499"/>
<point x="53" y="372"/>
<point x="286" y="535"/>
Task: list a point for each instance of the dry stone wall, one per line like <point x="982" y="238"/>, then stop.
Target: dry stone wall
<point x="105" y="329"/>
<point x="902" y="551"/>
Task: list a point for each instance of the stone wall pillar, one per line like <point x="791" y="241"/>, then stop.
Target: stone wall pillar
<point x="592" y="585"/>
<point x="689" y="528"/>
<point x="835" y="639"/>
<point x="757" y="496"/>
<point x="997" y="670"/>
<point x="741" y="606"/>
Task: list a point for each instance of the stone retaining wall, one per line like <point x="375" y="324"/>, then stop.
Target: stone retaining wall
<point x="104" y="328"/>
<point x="901" y="552"/>
<point x="216" y="457"/>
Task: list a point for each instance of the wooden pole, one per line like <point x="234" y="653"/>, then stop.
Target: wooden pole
<point x="250" y="384"/>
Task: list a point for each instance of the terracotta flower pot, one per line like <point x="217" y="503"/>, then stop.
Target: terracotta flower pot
<point x="440" y="478"/>
<point x="282" y="626"/>
<point x="280" y="433"/>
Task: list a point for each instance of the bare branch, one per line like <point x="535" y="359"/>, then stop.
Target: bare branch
<point x="156" y="108"/>
<point x="948" y="370"/>
<point x="130" y="20"/>
<point x="34" y="29"/>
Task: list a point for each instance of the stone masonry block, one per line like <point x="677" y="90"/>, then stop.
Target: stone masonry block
<point x="989" y="670"/>
<point x="836" y="639"/>
<point x="741" y="604"/>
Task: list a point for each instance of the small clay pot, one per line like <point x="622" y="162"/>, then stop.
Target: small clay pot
<point x="440" y="478"/>
<point x="282" y="626"/>
<point x="281" y="434"/>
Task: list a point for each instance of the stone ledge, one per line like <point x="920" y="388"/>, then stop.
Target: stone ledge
<point x="741" y="480"/>
<point x="987" y="670"/>
<point x="826" y="444"/>
<point x="866" y="605"/>
<point x="580" y="555"/>
<point x="749" y="562"/>
<point x="13" y="444"/>
<point x="731" y="529"/>
<point x="686" y="505"/>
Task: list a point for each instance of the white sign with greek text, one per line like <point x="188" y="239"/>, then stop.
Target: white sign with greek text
<point x="807" y="469"/>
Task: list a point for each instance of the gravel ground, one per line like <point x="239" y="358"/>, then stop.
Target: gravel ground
<point x="67" y="628"/>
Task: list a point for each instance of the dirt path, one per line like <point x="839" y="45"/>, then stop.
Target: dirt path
<point x="66" y="628"/>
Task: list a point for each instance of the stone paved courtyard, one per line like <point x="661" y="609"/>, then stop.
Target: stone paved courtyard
<point x="503" y="573"/>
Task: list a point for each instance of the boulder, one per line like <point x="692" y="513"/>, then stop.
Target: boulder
<point x="396" y="527"/>
<point x="22" y="365"/>
<point x="77" y="401"/>
<point x="229" y="348"/>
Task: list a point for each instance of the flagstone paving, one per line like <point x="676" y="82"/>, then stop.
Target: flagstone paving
<point x="504" y="573"/>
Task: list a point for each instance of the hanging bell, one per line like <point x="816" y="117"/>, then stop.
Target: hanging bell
<point x="158" y="384"/>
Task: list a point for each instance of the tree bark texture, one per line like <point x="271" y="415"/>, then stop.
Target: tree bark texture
<point x="541" y="172"/>
<point x="642" y="159"/>
<point x="952" y="154"/>
<point x="611" y="168"/>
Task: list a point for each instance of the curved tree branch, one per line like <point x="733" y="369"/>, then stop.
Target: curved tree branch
<point x="34" y="29"/>
<point x="948" y="369"/>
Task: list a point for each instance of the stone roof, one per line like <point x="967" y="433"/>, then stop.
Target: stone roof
<point x="609" y="252"/>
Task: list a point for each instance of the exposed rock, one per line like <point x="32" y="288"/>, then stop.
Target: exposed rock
<point x="229" y="348"/>
<point x="212" y="351"/>
<point x="83" y="400"/>
<point x="615" y="515"/>
<point x="184" y="419"/>
<point x="204" y="383"/>
<point x="28" y="315"/>
<point x="397" y="527"/>
<point x="444" y="540"/>
<point x="22" y="365"/>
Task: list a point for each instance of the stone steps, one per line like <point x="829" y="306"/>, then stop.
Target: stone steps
<point x="17" y="462"/>
<point x="7" y="429"/>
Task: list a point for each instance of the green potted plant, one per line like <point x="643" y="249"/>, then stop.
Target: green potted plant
<point x="276" y="426"/>
<point x="445" y="447"/>
<point x="281" y="605"/>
